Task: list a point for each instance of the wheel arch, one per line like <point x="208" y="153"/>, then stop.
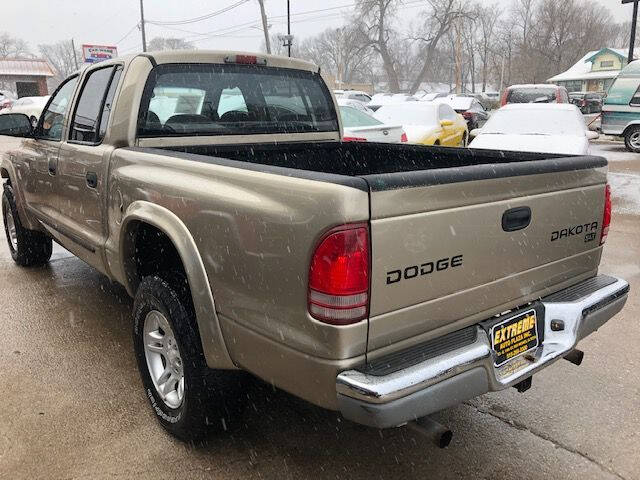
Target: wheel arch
<point x="143" y="216"/>
<point x="629" y="126"/>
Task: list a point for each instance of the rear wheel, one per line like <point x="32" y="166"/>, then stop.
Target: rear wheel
<point x="632" y="139"/>
<point x="188" y="398"/>
<point x="27" y="247"/>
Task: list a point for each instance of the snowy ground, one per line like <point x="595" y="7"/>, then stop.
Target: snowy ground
<point x="624" y="175"/>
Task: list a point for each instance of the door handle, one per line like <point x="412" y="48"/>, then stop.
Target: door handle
<point x="52" y="164"/>
<point x="516" y="219"/>
<point x="92" y="179"/>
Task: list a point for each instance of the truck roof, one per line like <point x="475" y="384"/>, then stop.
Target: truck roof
<point x="214" y="56"/>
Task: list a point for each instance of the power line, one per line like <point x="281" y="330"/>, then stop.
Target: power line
<point x="128" y="33"/>
<point x="201" y="18"/>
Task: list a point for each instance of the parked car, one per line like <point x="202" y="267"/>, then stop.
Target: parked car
<point x="30" y="106"/>
<point x="357" y="95"/>
<point x="481" y="97"/>
<point x="6" y="99"/>
<point x="535" y="93"/>
<point x="545" y="127"/>
<point x="427" y="123"/>
<point x="355" y="104"/>
<point x="587" y="102"/>
<point x="389" y="99"/>
<point x="429" y="97"/>
<point x="385" y="282"/>
<point x="470" y="108"/>
<point x="359" y="126"/>
<point x="621" y="108"/>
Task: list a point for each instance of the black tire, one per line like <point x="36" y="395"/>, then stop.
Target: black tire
<point x="31" y="247"/>
<point x="632" y="139"/>
<point x="204" y="406"/>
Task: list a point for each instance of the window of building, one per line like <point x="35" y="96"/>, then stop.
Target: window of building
<point x="606" y="64"/>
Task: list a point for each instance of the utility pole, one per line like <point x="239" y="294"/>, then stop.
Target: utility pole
<point x="75" y="57"/>
<point x="288" y="28"/>
<point x="144" y="36"/>
<point x="634" y="20"/>
<point x="458" y="59"/>
<point x="265" y="27"/>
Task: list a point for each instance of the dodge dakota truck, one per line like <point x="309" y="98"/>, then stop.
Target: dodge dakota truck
<point x="385" y="282"/>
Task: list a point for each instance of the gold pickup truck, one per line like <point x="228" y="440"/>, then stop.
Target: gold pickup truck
<point x="383" y="281"/>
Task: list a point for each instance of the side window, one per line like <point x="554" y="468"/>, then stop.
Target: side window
<point x="447" y="113"/>
<point x="635" y="100"/>
<point x="231" y="100"/>
<point x="51" y="120"/>
<point x="84" y="124"/>
<point x="108" y="103"/>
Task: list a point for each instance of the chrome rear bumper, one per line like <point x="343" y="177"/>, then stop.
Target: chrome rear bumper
<point x="462" y="373"/>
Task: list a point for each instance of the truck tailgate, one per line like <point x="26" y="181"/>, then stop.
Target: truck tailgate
<point x="451" y="247"/>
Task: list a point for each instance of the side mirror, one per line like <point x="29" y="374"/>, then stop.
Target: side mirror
<point x="475" y="132"/>
<point x="446" y="123"/>
<point x="15" y="125"/>
<point x="591" y="135"/>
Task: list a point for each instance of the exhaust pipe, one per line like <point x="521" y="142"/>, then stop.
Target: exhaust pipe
<point x="575" y="356"/>
<point x="437" y="433"/>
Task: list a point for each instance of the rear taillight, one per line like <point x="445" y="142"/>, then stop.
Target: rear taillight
<point x="354" y="139"/>
<point x="503" y="100"/>
<point x="606" y="216"/>
<point x="339" y="276"/>
<point x="403" y="138"/>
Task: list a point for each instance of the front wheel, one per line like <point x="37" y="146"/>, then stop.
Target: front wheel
<point x="632" y="139"/>
<point x="188" y="398"/>
<point x="28" y="247"/>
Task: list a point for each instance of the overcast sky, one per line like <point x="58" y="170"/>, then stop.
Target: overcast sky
<point x="114" y="21"/>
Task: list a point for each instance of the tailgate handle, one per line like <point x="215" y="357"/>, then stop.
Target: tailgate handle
<point x="516" y="219"/>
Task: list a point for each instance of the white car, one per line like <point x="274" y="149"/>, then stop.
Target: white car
<point x="536" y="127"/>
<point x="379" y="100"/>
<point x="426" y="123"/>
<point x="30" y="106"/>
<point x="357" y="95"/>
<point x="343" y="102"/>
<point x="359" y="126"/>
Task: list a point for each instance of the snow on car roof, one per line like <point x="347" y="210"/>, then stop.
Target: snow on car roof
<point x="534" y="85"/>
<point x="539" y="106"/>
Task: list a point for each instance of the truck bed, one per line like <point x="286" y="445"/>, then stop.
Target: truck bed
<point x="442" y="256"/>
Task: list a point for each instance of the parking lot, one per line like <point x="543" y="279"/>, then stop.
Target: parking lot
<point x="73" y="406"/>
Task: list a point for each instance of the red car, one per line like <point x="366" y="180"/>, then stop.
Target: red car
<point x="535" y="93"/>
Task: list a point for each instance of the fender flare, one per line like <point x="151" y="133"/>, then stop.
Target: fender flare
<point x="633" y="123"/>
<point x="27" y="220"/>
<point x="213" y="345"/>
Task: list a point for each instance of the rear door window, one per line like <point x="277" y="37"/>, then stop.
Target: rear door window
<point x="217" y="99"/>
<point x="88" y="113"/>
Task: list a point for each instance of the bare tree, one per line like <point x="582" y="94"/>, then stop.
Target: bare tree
<point x="438" y="21"/>
<point x="62" y="57"/>
<point x="487" y="19"/>
<point x="342" y="51"/>
<point x="373" y="20"/>
<point x="169" y="43"/>
<point x="11" y="47"/>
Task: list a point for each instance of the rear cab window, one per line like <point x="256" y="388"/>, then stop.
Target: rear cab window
<point x="532" y="95"/>
<point x="221" y="99"/>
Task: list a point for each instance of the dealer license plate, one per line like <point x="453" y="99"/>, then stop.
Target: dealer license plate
<point x="514" y="336"/>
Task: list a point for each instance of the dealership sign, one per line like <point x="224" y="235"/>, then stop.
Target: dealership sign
<point x="98" y="53"/>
